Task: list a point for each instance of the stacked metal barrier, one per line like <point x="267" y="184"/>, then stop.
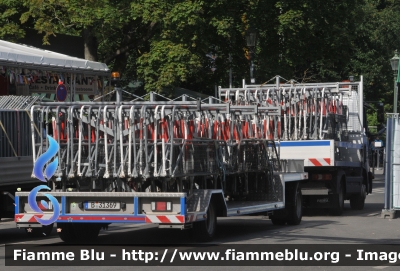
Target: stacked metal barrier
<point x="155" y="140"/>
<point x="15" y="125"/>
<point x="163" y="140"/>
<point x="308" y="111"/>
<point x="15" y="147"/>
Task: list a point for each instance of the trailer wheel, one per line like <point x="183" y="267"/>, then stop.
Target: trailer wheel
<point x="338" y="210"/>
<point x="45" y="230"/>
<point x="205" y="230"/>
<point x="295" y="211"/>
<point x="357" y="201"/>
<point x="67" y="233"/>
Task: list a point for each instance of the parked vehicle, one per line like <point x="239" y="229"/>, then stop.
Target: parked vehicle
<point x="178" y="164"/>
<point x="323" y="124"/>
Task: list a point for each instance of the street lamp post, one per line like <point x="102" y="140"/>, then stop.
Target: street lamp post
<point x="394" y="62"/>
<point x="251" y="40"/>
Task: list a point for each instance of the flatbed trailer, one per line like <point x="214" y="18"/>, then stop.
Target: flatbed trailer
<point x="178" y="164"/>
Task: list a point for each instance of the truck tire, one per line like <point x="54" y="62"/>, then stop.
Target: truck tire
<point x="278" y="221"/>
<point x="295" y="210"/>
<point x="369" y="177"/>
<point x="338" y="209"/>
<point x="43" y="231"/>
<point x="357" y="201"/>
<point x="204" y="231"/>
<point x="67" y="233"/>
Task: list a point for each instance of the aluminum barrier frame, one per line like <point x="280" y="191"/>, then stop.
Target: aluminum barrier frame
<point x="392" y="167"/>
<point x="151" y="140"/>
<point x="308" y="111"/>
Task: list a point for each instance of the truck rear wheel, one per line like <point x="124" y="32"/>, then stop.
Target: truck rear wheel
<point x="278" y="221"/>
<point x="295" y="211"/>
<point x="205" y="230"/>
<point x="357" y="201"/>
<point x="338" y="210"/>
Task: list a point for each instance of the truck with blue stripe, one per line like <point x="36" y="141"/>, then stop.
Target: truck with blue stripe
<point x="323" y="124"/>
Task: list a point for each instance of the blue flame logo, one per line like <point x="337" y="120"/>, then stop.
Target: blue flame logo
<point x="44" y="158"/>
<point x="49" y="172"/>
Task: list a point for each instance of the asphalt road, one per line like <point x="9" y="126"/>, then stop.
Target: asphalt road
<point x="318" y="227"/>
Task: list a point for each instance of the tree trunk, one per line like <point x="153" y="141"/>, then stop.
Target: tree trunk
<point x="120" y="63"/>
<point x="90" y="44"/>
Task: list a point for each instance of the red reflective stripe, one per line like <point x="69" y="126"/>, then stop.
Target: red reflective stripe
<point x="315" y="162"/>
<point x="266" y="128"/>
<point x="40" y="205"/>
<point x="33" y="218"/>
<point x="323" y="108"/>
<point x="163" y="219"/>
<point x="93" y="135"/>
<point x="150" y="129"/>
<point x="328" y="160"/>
<point x="176" y="129"/>
<point x="182" y="126"/>
<point x="227" y="131"/>
<point x="235" y="133"/>
<point x="126" y="123"/>
<point x="246" y="129"/>
<point x="164" y="126"/>
<point x="215" y="132"/>
<point x="191" y="129"/>
<point x="55" y="133"/>
<point x="271" y="130"/>
<point x="62" y="130"/>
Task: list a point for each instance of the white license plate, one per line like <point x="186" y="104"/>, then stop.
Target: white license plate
<point x="102" y="205"/>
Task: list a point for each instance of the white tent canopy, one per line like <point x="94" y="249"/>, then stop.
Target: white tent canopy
<point x="23" y="56"/>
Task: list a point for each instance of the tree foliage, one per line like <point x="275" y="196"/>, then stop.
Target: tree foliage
<point x="10" y="27"/>
<point x="166" y="43"/>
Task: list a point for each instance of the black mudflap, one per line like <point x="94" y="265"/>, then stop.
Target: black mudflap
<point x="320" y="201"/>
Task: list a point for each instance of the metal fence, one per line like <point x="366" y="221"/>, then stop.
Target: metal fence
<point x="392" y="165"/>
<point x="308" y="111"/>
<point x="15" y="126"/>
<point x="154" y="139"/>
<point x="16" y="161"/>
<point x="15" y="133"/>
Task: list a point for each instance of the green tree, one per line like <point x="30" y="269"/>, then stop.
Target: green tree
<point x="165" y="43"/>
<point x="10" y="27"/>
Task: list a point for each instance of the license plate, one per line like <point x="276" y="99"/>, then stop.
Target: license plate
<point x="102" y="205"/>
